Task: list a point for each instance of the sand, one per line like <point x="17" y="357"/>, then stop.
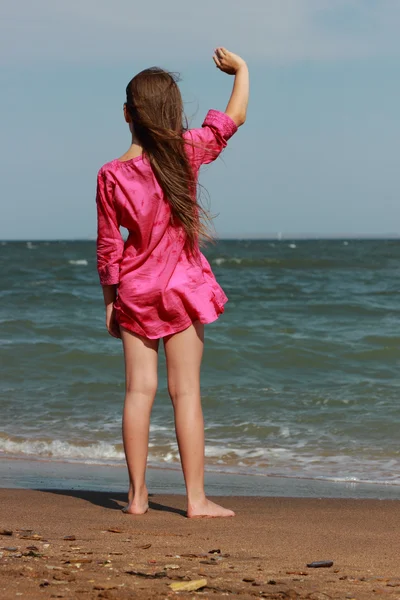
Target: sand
<point x="262" y="552"/>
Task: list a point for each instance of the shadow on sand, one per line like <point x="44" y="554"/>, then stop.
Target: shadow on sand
<point x="111" y="500"/>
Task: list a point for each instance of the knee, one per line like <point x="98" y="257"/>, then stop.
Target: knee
<point x="142" y="386"/>
<point x="178" y="391"/>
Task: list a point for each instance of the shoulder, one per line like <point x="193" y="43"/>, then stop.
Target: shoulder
<point x="107" y="170"/>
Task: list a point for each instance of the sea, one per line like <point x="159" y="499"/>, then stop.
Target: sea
<point x="300" y="377"/>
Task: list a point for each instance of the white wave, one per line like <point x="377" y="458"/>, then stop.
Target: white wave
<point x="154" y="427"/>
<point x="81" y="261"/>
<point x="30" y="245"/>
<point x="61" y="450"/>
<point x="292" y="246"/>
<point x="271" y="461"/>
<point x="285" y="431"/>
<point x="345" y="243"/>
<point x="221" y="261"/>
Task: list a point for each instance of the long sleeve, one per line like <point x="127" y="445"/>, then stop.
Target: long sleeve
<point x="110" y="243"/>
<point x="206" y="144"/>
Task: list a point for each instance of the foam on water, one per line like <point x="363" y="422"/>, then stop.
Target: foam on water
<point x="274" y="461"/>
<point x="99" y="451"/>
<point x="80" y="261"/>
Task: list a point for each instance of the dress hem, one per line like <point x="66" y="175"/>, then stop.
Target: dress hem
<point x="179" y="328"/>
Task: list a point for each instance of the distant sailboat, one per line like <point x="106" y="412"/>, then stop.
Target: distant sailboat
<point x="279" y="236"/>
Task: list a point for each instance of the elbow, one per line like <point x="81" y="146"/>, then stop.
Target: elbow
<point x="240" y="119"/>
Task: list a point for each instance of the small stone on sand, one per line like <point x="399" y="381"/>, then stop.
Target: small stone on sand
<point x="6" y="532"/>
<point x="188" y="586"/>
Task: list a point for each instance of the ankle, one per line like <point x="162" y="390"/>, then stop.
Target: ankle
<point x="139" y="491"/>
<point x="196" y="497"/>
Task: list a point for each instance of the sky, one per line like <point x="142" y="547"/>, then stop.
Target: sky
<point x="318" y="154"/>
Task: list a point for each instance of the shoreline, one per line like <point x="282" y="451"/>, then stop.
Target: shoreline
<point x="17" y="473"/>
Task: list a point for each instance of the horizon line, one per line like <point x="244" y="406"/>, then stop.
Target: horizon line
<point x="267" y="237"/>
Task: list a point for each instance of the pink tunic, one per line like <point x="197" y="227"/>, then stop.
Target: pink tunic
<point x="160" y="290"/>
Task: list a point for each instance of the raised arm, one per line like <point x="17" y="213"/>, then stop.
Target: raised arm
<point x="232" y="64"/>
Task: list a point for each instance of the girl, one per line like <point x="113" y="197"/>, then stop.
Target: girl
<point x="157" y="284"/>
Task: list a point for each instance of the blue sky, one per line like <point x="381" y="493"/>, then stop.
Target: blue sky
<point x="318" y="154"/>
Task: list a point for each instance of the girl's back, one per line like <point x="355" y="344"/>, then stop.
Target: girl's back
<point x="162" y="288"/>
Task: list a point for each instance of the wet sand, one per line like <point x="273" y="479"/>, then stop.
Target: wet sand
<point x="262" y="552"/>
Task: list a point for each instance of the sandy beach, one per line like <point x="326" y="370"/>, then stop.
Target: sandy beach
<point x="262" y="552"/>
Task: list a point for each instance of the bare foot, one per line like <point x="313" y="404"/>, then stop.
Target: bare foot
<point x="137" y="505"/>
<point x="207" y="509"/>
<point x="136" y="508"/>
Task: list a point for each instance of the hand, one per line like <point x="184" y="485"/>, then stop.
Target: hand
<point x="111" y="322"/>
<point x="227" y="61"/>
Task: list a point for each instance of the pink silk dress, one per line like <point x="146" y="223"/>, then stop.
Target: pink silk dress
<point x="161" y="290"/>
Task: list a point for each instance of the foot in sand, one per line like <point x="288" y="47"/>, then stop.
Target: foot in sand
<point x="207" y="509"/>
<point x="138" y="504"/>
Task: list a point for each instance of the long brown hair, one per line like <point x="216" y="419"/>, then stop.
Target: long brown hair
<point x="154" y="103"/>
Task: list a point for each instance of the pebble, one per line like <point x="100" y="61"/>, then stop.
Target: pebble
<point x="78" y="560"/>
<point x="114" y="530"/>
<point x="145" y="546"/>
<point x="33" y="553"/>
<point x="6" y="532"/>
<point x="188" y="586"/>
<point x="318" y="564"/>
<point x="172" y="567"/>
<point x="69" y="538"/>
<point x="156" y="575"/>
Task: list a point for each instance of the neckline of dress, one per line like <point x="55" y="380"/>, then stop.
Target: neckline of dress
<point x="129" y="160"/>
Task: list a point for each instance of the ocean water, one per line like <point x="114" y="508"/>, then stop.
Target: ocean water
<point x="300" y="375"/>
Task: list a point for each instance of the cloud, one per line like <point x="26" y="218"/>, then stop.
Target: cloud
<point x="274" y="31"/>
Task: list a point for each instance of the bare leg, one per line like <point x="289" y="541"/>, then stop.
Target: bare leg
<point x="184" y="352"/>
<point x="141" y="356"/>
